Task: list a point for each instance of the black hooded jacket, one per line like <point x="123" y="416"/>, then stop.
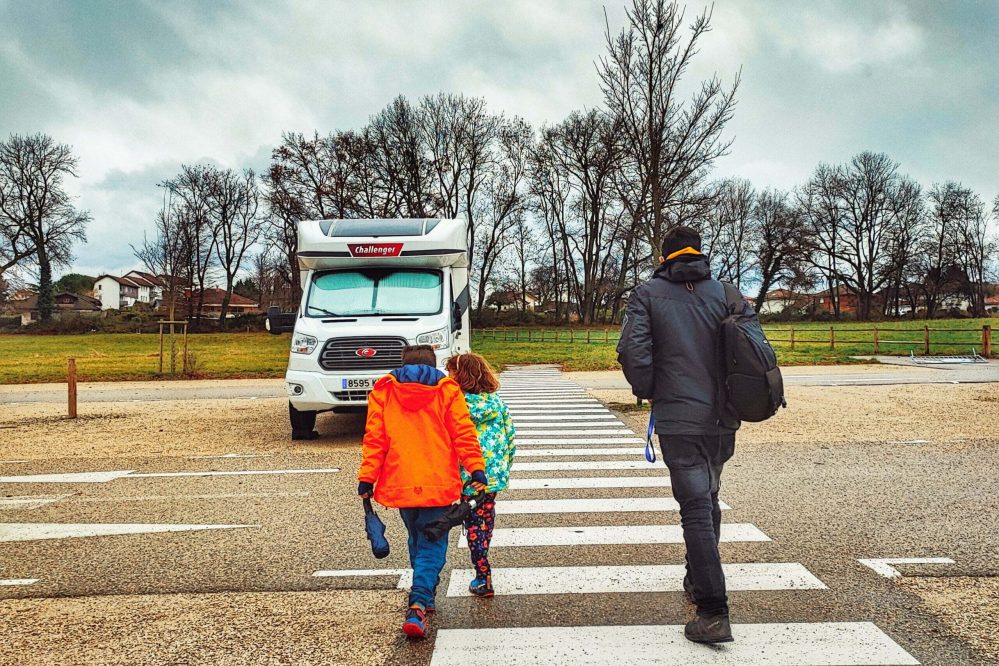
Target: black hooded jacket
<point x="669" y="347"/>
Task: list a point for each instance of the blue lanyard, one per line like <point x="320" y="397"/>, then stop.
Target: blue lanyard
<point x="650" y="449"/>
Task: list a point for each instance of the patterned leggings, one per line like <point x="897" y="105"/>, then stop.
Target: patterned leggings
<point x="480" y="531"/>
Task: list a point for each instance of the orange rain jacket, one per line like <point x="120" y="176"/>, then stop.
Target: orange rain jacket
<point x="415" y="436"/>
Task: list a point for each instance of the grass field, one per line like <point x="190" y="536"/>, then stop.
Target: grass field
<point x="114" y="357"/>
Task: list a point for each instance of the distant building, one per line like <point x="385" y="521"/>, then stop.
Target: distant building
<point x="64" y="302"/>
<point x="118" y="293"/>
<point x="779" y="300"/>
<point x="212" y="303"/>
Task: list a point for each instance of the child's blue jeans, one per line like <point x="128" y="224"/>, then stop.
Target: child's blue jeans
<point x="426" y="557"/>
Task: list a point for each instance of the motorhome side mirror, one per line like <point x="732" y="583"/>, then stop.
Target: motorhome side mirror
<point x="455" y="317"/>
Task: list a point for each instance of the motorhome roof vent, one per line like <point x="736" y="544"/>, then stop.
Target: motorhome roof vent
<point x="378" y="228"/>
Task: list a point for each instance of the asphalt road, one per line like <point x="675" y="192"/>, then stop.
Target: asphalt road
<point x="893" y="370"/>
<point x="821" y="506"/>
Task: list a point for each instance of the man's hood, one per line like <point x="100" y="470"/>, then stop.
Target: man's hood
<point x="415" y="385"/>
<point x="484" y="407"/>
<point x="685" y="268"/>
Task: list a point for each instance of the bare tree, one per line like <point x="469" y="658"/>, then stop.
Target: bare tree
<point x="777" y="250"/>
<point x="191" y="191"/>
<point x="586" y="149"/>
<point x="729" y="228"/>
<point x="232" y="204"/>
<point x="670" y="144"/>
<point x="504" y="202"/>
<point x="975" y="250"/>
<point x="38" y="221"/>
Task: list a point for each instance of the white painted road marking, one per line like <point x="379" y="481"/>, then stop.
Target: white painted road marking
<point x="104" y="477"/>
<point x="628" y="579"/>
<point x="567" y="417"/>
<point x="558" y="410"/>
<point x="174" y="498"/>
<point x="883" y="566"/>
<point x="569" y="465"/>
<point x="593" y="441"/>
<point x="38" y="531"/>
<point x="540" y="433"/>
<point x="12" y="462"/>
<point x="604" y="535"/>
<point x="600" y="505"/>
<point x="405" y="575"/>
<point x="539" y="453"/>
<point x="778" y="644"/>
<point x="233" y="455"/>
<point x="10" y="582"/>
<point x="76" y="477"/>
<point x="592" y="482"/>
<point x="29" y="501"/>
<point x="573" y="427"/>
<point x="149" y="475"/>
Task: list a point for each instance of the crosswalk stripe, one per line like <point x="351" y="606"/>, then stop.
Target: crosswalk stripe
<point x="777" y="644"/>
<point x="569" y="465"/>
<point x="633" y="578"/>
<point x="591" y="482"/>
<point x="405" y="575"/>
<point x="603" y="535"/>
<point x="597" y="505"/>
<point x="558" y="410"/>
<point x="565" y="417"/>
<point x="570" y="424"/>
<point x="537" y="453"/>
<point x="535" y="437"/>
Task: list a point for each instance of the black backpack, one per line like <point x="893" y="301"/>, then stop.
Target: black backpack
<point x="753" y="382"/>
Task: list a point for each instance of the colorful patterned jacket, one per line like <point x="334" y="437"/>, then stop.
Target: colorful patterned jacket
<point x="496" y="437"/>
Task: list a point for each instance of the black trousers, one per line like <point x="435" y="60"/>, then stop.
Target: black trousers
<point x="695" y="465"/>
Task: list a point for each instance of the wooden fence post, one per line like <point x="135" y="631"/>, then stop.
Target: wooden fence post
<point x="588" y="331"/>
<point x="832" y="338"/>
<point x="606" y="334"/>
<point x="161" y="348"/>
<point x="792" y="338"/>
<point x="71" y="382"/>
<point x="926" y="340"/>
<point x="987" y="341"/>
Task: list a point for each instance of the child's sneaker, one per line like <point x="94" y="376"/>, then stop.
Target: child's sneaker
<point x="431" y="608"/>
<point x="415" y="625"/>
<point x="482" y="586"/>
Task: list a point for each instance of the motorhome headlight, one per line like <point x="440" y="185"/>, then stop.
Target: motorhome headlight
<point x="437" y="339"/>
<point x="303" y="344"/>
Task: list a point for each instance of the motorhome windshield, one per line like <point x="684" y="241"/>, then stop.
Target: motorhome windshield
<point x="375" y="291"/>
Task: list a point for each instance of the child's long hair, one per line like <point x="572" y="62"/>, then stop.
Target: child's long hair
<point x="473" y="373"/>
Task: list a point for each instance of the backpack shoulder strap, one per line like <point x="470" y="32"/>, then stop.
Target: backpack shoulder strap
<point x="733" y="298"/>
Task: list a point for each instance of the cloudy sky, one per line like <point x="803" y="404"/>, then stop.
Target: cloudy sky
<point x="140" y="87"/>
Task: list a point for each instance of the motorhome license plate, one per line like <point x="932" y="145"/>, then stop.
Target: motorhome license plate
<point x="366" y="383"/>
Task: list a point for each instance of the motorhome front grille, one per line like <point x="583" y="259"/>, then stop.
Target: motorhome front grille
<point x="351" y="396"/>
<point x="362" y="354"/>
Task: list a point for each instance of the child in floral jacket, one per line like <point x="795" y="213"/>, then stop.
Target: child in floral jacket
<point x="496" y="433"/>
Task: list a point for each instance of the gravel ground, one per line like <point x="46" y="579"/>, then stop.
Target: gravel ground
<point x="164" y="428"/>
<point x="968" y="608"/>
<point x="353" y="627"/>
<point x="937" y="413"/>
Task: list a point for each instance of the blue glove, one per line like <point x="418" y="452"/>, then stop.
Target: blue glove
<point x="365" y="488"/>
<point x="480" y="477"/>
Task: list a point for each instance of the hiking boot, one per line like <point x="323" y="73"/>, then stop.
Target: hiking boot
<point x="711" y="629"/>
<point x="415" y="625"/>
<point x="688" y="589"/>
<point x="482" y="587"/>
<point x="431" y="608"/>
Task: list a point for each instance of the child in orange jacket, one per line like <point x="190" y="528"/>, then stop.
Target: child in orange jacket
<point x="417" y="433"/>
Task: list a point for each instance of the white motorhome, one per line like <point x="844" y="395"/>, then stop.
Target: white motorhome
<point x="369" y="288"/>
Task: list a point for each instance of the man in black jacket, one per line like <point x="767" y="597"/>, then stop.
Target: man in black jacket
<point x="669" y="354"/>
